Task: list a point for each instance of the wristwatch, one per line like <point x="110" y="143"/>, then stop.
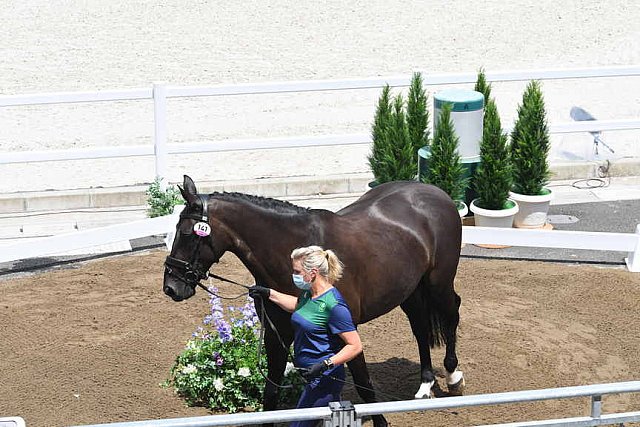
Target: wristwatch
<point x="328" y="364"/>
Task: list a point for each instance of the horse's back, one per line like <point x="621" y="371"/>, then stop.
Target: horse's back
<point x="409" y="201"/>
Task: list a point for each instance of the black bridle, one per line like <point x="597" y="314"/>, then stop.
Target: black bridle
<point x="188" y="271"/>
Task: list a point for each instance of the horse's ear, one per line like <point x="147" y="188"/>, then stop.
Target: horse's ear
<point x="188" y="190"/>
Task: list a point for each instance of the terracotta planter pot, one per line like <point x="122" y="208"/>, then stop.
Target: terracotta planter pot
<point x="533" y="209"/>
<point x="494" y="218"/>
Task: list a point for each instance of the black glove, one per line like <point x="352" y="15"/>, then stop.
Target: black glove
<point x="257" y="291"/>
<point x="314" y="371"/>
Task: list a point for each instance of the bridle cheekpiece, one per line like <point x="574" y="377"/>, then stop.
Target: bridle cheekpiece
<point x="186" y="271"/>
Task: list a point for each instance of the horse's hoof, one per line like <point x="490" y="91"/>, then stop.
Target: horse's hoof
<point x="424" y="392"/>
<point x="456" y="389"/>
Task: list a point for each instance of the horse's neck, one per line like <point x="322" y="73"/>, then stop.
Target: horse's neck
<point x="261" y="237"/>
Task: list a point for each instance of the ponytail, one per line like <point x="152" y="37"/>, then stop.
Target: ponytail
<point x="335" y="266"/>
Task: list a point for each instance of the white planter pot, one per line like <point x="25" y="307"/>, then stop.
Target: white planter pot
<point x="463" y="210"/>
<point x="533" y="209"/>
<point x="494" y="218"/>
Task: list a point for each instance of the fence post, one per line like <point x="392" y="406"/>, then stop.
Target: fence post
<point x="343" y="414"/>
<point x="160" y="134"/>
<point x="633" y="260"/>
<point x="596" y="406"/>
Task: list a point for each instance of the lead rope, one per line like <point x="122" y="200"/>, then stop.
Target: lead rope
<point x="263" y="316"/>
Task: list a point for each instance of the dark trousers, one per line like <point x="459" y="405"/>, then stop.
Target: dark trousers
<point x="320" y="392"/>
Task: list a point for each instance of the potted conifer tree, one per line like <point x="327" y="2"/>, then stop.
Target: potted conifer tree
<point x="492" y="180"/>
<point x="398" y="131"/>
<point x="530" y="146"/>
<point x="445" y="168"/>
<point x="380" y="155"/>
<point x="417" y="114"/>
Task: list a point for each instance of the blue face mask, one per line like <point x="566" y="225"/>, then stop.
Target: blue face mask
<point x="300" y="283"/>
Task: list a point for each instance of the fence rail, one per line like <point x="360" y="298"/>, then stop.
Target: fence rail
<point x="343" y="414"/>
<point x="160" y="92"/>
<point x="602" y="241"/>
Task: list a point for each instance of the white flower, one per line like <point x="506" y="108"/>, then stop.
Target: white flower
<point x="288" y="368"/>
<point x="244" y="372"/>
<point x="189" y="369"/>
<point x="218" y="384"/>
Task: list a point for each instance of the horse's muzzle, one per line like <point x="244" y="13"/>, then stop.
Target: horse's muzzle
<point x="169" y="291"/>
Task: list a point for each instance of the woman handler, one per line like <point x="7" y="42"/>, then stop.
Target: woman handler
<point x="324" y="334"/>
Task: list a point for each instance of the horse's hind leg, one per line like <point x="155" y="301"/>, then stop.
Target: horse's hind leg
<point x="444" y="304"/>
<point x="415" y="311"/>
<point x="360" y="374"/>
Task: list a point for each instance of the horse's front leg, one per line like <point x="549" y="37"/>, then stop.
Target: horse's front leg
<point x="360" y="374"/>
<point x="277" y="352"/>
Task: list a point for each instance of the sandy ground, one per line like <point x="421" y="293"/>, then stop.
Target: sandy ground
<point x="92" y="343"/>
<point x="89" y="45"/>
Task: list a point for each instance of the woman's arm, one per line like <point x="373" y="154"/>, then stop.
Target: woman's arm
<point x="286" y="302"/>
<point x="352" y="348"/>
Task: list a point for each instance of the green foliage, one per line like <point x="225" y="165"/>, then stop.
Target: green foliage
<point x="417" y="113"/>
<point x="492" y="180"/>
<point x="530" y="143"/>
<point x="398" y="133"/>
<point x="381" y="149"/>
<point x="161" y="202"/>
<point x="445" y="168"/>
<point x="219" y="367"/>
<point x="483" y="86"/>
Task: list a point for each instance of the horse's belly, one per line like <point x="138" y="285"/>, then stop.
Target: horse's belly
<point x="377" y="308"/>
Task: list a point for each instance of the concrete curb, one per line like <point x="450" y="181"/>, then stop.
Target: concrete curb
<point x="267" y="187"/>
<point x="136" y="195"/>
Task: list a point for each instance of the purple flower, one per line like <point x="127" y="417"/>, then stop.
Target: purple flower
<point x="224" y="331"/>
<point x="219" y="360"/>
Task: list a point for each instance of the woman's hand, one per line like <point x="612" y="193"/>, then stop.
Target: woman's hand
<point x="284" y="301"/>
<point x="314" y="371"/>
<point x="258" y="291"/>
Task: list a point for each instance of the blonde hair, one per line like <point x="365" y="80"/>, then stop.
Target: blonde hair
<point x="325" y="261"/>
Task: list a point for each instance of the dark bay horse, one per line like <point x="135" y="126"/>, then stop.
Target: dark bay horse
<point x="400" y="243"/>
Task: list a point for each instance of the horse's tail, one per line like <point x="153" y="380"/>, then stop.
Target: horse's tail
<point x="436" y="313"/>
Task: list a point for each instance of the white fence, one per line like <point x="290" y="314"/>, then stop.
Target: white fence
<point x="66" y="242"/>
<point x="622" y="242"/>
<point x="161" y="92"/>
<point x="343" y="414"/>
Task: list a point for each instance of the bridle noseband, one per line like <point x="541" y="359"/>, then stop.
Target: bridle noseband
<point x="186" y="271"/>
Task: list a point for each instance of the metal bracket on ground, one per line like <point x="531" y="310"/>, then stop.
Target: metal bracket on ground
<point x="343" y="414"/>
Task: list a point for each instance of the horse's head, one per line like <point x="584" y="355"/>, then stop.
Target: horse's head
<point x="196" y="245"/>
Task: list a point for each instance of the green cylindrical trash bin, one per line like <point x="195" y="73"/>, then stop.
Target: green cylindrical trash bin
<point x="467" y="115"/>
